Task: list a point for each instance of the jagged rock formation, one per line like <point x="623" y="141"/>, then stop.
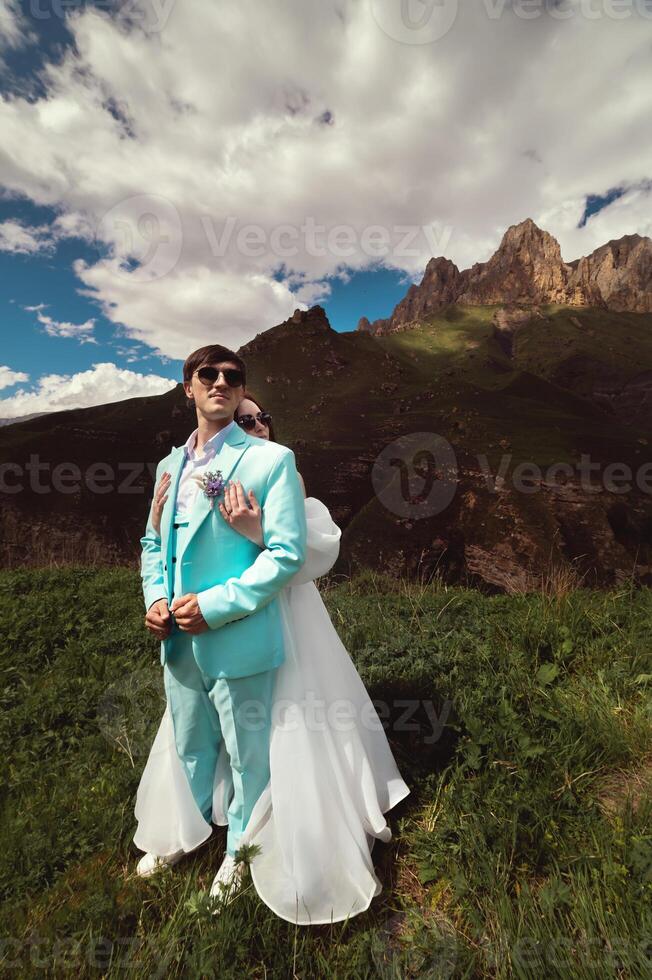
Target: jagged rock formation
<point x="308" y="322"/>
<point x="528" y="269"/>
<point x="621" y="271"/>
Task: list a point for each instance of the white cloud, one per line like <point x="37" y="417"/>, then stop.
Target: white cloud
<point x="17" y="237"/>
<point x="62" y="328"/>
<point x="101" y="384"/>
<point x="278" y="114"/>
<point x="9" y="377"/>
<point x="24" y="239"/>
<point x="629" y="214"/>
<point x="191" y="309"/>
<point x="13" y="27"/>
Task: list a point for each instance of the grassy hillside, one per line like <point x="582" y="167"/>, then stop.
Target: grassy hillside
<point x="620" y="342"/>
<point x="574" y="381"/>
<point x="524" y="849"/>
<point x="481" y="395"/>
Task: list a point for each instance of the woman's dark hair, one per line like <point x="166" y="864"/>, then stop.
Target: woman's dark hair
<point x="261" y="408"/>
<point x="209" y="355"/>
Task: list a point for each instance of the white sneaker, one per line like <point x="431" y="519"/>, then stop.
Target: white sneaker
<point x="228" y="878"/>
<point x="149" y="863"/>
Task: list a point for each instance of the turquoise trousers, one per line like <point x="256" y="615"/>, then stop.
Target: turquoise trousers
<point x="206" y="710"/>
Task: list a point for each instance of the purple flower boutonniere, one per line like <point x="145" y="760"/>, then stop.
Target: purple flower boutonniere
<point x="211" y="483"/>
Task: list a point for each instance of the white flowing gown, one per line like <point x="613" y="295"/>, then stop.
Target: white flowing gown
<point x="332" y="772"/>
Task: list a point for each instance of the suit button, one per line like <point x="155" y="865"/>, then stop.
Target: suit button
<point x="174" y="559"/>
<point x="165" y="567"/>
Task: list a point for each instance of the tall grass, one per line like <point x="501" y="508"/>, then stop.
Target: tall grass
<point x="524" y="849"/>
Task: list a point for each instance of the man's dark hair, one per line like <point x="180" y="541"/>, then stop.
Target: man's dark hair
<point x="209" y="355"/>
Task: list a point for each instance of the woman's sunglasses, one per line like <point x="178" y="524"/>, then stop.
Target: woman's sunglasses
<point x="249" y="421"/>
<point x="209" y="375"/>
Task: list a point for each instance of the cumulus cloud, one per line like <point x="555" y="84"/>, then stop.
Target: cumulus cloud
<point x="62" y="328"/>
<point x="228" y="159"/>
<point x="195" y="307"/>
<point x="9" y="377"/>
<point x="24" y="239"/>
<point x="101" y="384"/>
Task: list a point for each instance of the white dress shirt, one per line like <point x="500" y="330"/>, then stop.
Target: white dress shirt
<point x="189" y="488"/>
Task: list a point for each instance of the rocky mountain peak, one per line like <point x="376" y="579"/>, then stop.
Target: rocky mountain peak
<point x="315" y="317"/>
<point x="312" y="321"/>
<point x="526" y="232"/>
<point x="620" y="272"/>
<point x="527" y="268"/>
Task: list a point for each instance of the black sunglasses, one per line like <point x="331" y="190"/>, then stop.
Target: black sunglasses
<point x="209" y="375"/>
<point x="249" y="421"/>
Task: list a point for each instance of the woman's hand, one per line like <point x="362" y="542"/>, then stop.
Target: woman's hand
<point x="242" y="513"/>
<point x="160" y="496"/>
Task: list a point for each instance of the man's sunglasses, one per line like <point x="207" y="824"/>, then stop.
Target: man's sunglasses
<point x="209" y="375"/>
<point x="249" y="421"/>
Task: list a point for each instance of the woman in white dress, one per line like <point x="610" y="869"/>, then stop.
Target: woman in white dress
<point x="332" y="772"/>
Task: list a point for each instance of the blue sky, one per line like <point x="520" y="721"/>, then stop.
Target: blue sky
<point x="134" y="134"/>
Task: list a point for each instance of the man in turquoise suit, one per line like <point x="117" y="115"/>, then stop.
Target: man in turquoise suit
<point x="211" y="593"/>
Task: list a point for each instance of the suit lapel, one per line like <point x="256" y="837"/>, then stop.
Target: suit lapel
<point x="232" y="448"/>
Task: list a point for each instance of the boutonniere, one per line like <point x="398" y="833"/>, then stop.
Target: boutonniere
<point x="211" y="483"/>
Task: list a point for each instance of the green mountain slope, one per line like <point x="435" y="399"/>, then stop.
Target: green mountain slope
<point x="500" y="396"/>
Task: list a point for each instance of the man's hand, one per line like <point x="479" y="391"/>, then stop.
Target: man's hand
<point x="157" y="619"/>
<point x="188" y="614"/>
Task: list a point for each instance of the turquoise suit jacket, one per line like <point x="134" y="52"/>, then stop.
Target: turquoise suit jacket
<point x="236" y="581"/>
